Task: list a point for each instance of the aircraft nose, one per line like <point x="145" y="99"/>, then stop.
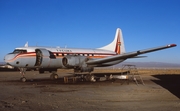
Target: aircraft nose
<point x="8" y="57"/>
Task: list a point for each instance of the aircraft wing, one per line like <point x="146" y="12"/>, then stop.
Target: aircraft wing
<point x="127" y="55"/>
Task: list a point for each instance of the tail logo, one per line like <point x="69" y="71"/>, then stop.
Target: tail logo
<point x="118" y="44"/>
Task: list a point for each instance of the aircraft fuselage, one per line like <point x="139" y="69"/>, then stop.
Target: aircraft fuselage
<point x="43" y="57"/>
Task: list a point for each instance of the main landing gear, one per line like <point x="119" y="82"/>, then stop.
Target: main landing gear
<point x="90" y="77"/>
<point x="53" y="76"/>
<point x="86" y="77"/>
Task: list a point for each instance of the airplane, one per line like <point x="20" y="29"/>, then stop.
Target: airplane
<point x="80" y="59"/>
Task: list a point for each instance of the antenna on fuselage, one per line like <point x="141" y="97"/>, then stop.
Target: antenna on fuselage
<point x="26" y="45"/>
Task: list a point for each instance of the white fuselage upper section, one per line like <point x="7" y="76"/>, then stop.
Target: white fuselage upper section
<point x="51" y="57"/>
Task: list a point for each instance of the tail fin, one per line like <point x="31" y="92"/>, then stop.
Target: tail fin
<point x="117" y="45"/>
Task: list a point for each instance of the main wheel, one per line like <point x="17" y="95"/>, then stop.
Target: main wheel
<point x="90" y="78"/>
<point x="54" y="76"/>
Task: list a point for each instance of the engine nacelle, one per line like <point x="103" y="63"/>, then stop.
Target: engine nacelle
<point x="42" y="58"/>
<point x="73" y="61"/>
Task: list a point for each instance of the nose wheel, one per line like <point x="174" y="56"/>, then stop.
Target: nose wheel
<point x="22" y="72"/>
<point x="23" y="79"/>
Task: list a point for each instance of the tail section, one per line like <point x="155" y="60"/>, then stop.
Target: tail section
<point x="117" y="45"/>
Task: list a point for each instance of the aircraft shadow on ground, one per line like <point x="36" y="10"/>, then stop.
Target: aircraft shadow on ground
<point x="171" y="82"/>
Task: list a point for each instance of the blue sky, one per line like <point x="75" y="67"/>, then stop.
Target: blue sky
<point x="92" y="24"/>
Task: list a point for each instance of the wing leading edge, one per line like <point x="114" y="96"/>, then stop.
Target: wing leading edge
<point x="127" y="55"/>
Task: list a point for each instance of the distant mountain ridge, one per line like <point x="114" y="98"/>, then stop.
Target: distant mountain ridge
<point x="141" y="64"/>
<point x="150" y="65"/>
<point x="2" y="63"/>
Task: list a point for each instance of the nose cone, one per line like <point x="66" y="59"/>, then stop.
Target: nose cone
<point x="8" y="58"/>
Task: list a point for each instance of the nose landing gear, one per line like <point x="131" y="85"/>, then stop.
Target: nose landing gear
<point x="22" y="72"/>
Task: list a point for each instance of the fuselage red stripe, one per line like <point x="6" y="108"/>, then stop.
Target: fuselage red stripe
<point x="60" y="55"/>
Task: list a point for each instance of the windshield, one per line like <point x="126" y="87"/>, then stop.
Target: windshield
<point x="19" y="51"/>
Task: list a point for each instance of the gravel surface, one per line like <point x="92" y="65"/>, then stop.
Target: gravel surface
<point x="40" y="93"/>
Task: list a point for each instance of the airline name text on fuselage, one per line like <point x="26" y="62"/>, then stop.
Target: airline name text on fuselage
<point x="62" y="50"/>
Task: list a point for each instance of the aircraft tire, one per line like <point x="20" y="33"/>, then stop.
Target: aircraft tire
<point x="23" y="79"/>
<point x="53" y="76"/>
<point x="90" y="78"/>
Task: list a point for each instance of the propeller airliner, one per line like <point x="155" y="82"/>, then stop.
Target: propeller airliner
<point x="80" y="59"/>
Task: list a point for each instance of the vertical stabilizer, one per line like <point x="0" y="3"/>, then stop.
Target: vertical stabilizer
<point x="26" y="45"/>
<point x="117" y="45"/>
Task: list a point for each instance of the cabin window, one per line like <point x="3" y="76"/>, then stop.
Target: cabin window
<point x="17" y="62"/>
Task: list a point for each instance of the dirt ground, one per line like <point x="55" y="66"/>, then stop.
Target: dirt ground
<point x="161" y="92"/>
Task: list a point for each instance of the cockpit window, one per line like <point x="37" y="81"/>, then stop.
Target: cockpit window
<point x="19" y="51"/>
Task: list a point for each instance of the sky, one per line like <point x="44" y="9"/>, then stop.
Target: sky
<point x="92" y="24"/>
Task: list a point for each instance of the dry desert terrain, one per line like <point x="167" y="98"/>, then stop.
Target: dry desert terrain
<point x="161" y="92"/>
